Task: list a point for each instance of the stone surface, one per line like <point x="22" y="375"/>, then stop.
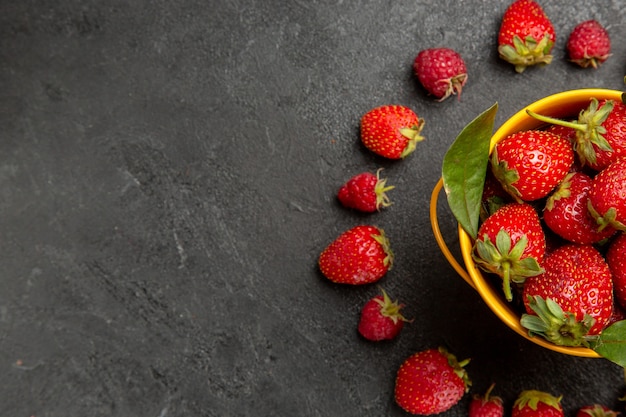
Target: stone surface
<point x="167" y="180"/>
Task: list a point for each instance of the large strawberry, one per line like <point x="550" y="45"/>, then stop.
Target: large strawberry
<point x="381" y="318"/>
<point x="391" y="131"/>
<point x="607" y="197"/>
<point x="589" y="44"/>
<point x="567" y="215"/>
<point x="486" y="405"/>
<point x="526" y="35"/>
<point x="365" y="192"/>
<point x="529" y="164"/>
<point x="534" y="403"/>
<point x="616" y="259"/>
<point x="441" y="71"/>
<point x="572" y="299"/>
<point x="361" y="255"/>
<point x="511" y="244"/>
<point x="431" y="382"/>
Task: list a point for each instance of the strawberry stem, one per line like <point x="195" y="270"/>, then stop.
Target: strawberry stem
<point x="506" y="280"/>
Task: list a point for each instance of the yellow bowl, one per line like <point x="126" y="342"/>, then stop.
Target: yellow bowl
<point x="562" y="105"/>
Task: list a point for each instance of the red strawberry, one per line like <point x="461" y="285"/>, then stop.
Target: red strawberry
<point x="533" y="403"/>
<point x="381" y="318"/>
<point x="596" y="410"/>
<point x="526" y="35"/>
<point x="441" y="71"/>
<point x="531" y="163"/>
<point x="566" y="211"/>
<point x="573" y="298"/>
<point x="493" y="196"/>
<point x="431" y="382"/>
<point x="568" y="133"/>
<point x="511" y="244"/>
<point x="589" y="44"/>
<point x="616" y="259"/>
<point x="360" y="255"/>
<point x="365" y="192"/>
<point x="486" y="405"/>
<point x="607" y="197"/>
<point x="391" y="131"/>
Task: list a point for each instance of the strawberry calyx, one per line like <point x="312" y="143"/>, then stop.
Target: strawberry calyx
<point x="527" y="52"/>
<point x="555" y="325"/>
<point x="386" y="246"/>
<point x="457" y="366"/>
<point x="532" y="398"/>
<point x="506" y="176"/>
<point x="380" y="189"/>
<point x="413" y="135"/>
<point x="597" y="410"/>
<point x="562" y="191"/>
<point x="390" y="309"/>
<point x="507" y="262"/>
<point x="454" y="85"/>
<point x="609" y="219"/>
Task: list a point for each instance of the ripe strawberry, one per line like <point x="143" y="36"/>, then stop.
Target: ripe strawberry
<point x="486" y="405"/>
<point x="596" y="410"/>
<point x="360" y="255"/>
<point x="381" y="318"/>
<point x="616" y="259"/>
<point x="589" y="44"/>
<point x="607" y="197"/>
<point x="573" y="298"/>
<point x="365" y="192"/>
<point x="566" y="211"/>
<point x="391" y="131"/>
<point x="531" y="163"/>
<point x="567" y="132"/>
<point x="441" y="71"/>
<point x="526" y="35"/>
<point x="431" y="382"/>
<point x="511" y="244"/>
<point x="533" y="403"/>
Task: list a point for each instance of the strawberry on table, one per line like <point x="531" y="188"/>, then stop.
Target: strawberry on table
<point x="589" y="44"/>
<point x="381" y="318"/>
<point x="441" y="71"/>
<point x="616" y="259"/>
<point x="607" y="197"/>
<point x="596" y="410"/>
<point x="486" y="405"/>
<point x="526" y="35"/>
<point x="431" y="382"/>
<point x="534" y="403"/>
<point x="511" y="244"/>
<point x="365" y="192"/>
<point x="361" y="255"/>
<point x="391" y="131"/>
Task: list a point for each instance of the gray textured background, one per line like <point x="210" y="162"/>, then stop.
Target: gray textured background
<point x="168" y="174"/>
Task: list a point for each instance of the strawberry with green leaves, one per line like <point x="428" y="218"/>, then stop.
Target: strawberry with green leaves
<point x="526" y="35"/>
<point x="486" y="405"/>
<point x="431" y="382"/>
<point x="361" y="255"/>
<point x="511" y="244"/>
<point x="607" y="196"/>
<point x="381" y="318"/>
<point x="529" y="164"/>
<point x="589" y="44"/>
<point x="441" y="71"/>
<point x="365" y="192"/>
<point x="391" y="131"/>
<point x="534" y="403"/>
<point x="596" y="410"/>
<point x="616" y="259"/>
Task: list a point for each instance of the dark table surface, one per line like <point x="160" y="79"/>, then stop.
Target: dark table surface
<point x="168" y="174"/>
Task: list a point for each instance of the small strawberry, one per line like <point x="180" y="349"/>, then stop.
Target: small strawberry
<point x="431" y="382"/>
<point x="573" y="298"/>
<point x="616" y="259"/>
<point x="526" y="35"/>
<point x="607" y="197"/>
<point x="589" y="44"/>
<point x="533" y="403"/>
<point x="381" y="318"/>
<point x="566" y="211"/>
<point x="365" y="192"/>
<point x="596" y="410"/>
<point x="360" y="255"/>
<point x="486" y="405"/>
<point x="531" y="163"/>
<point x="391" y="131"/>
<point x="441" y="71"/>
<point x="511" y="244"/>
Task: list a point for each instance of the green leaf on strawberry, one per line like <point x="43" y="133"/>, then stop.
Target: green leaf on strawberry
<point x="465" y="167"/>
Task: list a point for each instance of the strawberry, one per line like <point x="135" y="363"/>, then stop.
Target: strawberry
<point x="526" y="35"/>
<point x="533" y="403"/>
<point x="361" y="255"/>
<point x="607" y="196"/>
<point x="441" y="71"/>
<point x="596" y="410"/>
<point x="566" y="211"/>
<point x="391" y="131"/>
<point x="381" y="318"/>
<point x="531" y="163"/>
<point x="486" y="405"/>
<point x="511" y="244"/>
<point x="616" y="259"/>
<point x="589" y="44"/>
<point x="365" y="192"/>
<point x="431" y="382"/>
<point x="573" y="298"/>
